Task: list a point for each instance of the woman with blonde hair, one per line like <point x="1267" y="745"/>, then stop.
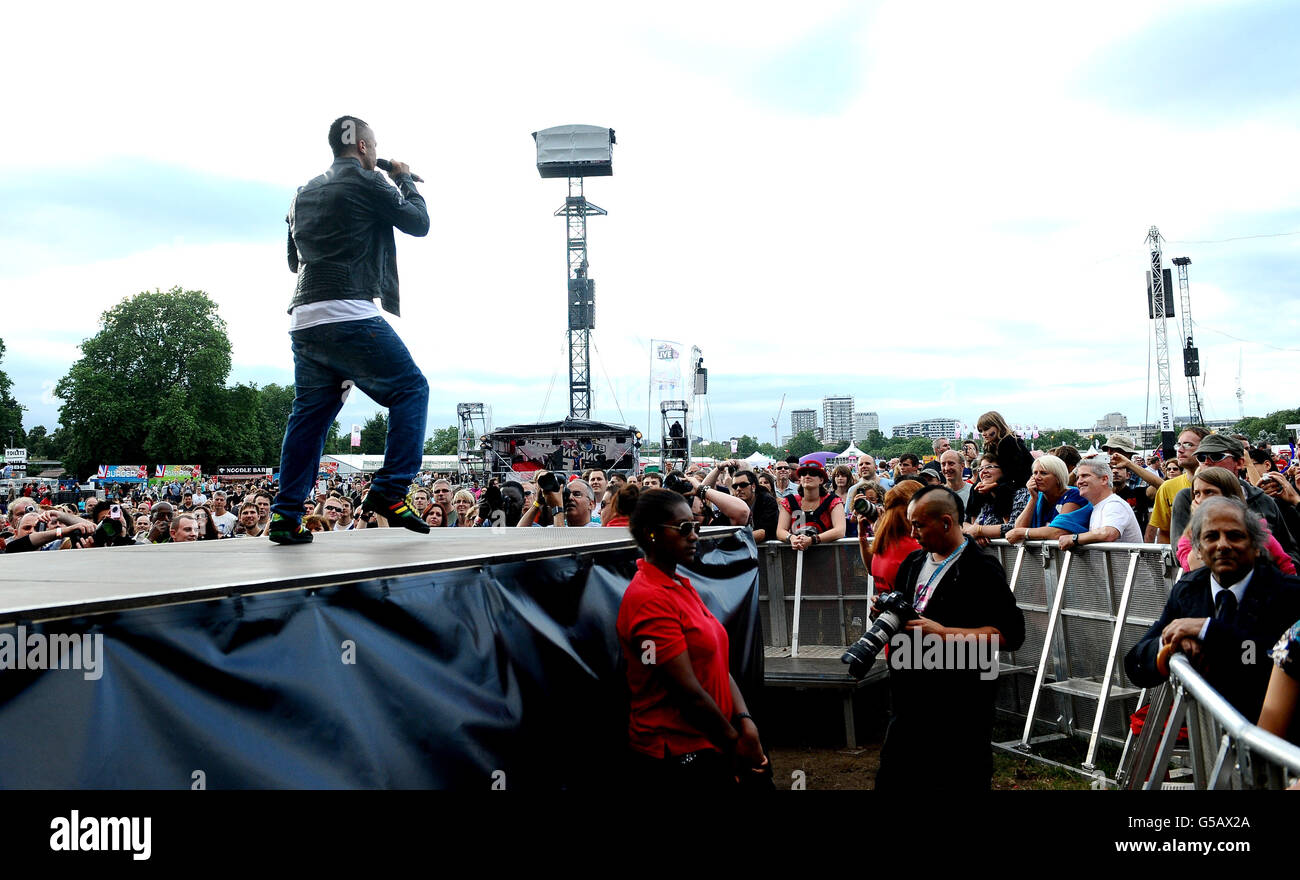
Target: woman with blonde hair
<point x="893" y="541"/>
<point x="1050" y="494"/>
<point x="463" y="503"/>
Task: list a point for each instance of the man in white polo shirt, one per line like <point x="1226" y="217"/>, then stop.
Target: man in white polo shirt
<point x="1112" y="519"/>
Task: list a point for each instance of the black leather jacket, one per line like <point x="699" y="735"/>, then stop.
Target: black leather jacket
<point x="341" y="234"/>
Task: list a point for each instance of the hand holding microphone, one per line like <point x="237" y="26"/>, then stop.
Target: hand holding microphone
<point x="395" y="169"/>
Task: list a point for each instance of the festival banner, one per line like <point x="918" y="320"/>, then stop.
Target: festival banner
<point x="243" y="471"/>
<point x="356" y="435"/>
<point x="122" y="472"/>
<point x="177" y="471"/>
<point x="328" y="467"/>
<point x="666" y="365"/>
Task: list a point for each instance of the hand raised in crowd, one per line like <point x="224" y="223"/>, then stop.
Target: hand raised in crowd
<point x="1277" y="487"/>
<point x="1119" y="459"/>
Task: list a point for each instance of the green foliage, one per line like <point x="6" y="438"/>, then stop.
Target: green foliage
<point x="11" y="412"/>
<point x="150" y="386"/>
<point x="1273" y="424"/>
<point x="374" y="434"/>
<point x="443" y="441"/>
<point x="1064" y="437"/>
<point x="746" y="446"/>
<point x="802" y="444"/>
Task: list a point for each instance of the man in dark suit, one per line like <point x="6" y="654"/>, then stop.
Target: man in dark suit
<point x="942" y="715"/>
<point x="1226" y="615"/>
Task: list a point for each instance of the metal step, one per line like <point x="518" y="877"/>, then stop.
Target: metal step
<point x="1089" y="689"/>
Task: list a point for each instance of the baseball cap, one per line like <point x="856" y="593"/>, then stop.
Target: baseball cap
<point x="1218" y="443"/>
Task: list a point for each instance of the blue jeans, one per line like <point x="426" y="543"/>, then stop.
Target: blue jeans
<point x="374" y="358"/>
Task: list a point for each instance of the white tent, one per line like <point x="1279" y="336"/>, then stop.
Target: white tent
<point x="849" y="456"/>
<point x="759" y="460"/>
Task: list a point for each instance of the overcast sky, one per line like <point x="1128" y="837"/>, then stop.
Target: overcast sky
<point x="937" y="208"/>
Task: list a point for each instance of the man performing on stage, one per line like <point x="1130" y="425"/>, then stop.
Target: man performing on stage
<point x="341" y="245"/>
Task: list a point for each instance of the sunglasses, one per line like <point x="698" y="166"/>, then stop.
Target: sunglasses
<point x="685" y="527"/>
<point x="741" y="485"/>
<point x="333" y="507"/>
<point x="1205" y="457"/>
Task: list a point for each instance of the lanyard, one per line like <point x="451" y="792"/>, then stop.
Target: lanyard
<point x="923" y="593"/>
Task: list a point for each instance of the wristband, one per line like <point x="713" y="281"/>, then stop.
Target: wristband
<point x="740" y="716"/>
<point x="58" y="533"/>
<point x="817" y="539"/>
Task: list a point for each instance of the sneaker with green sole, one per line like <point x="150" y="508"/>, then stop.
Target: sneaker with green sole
<point x="396" y="511"/>
<point x="283" y="530"/>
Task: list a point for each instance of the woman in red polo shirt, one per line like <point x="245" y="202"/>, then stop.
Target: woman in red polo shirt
<point x="688" y="725"/>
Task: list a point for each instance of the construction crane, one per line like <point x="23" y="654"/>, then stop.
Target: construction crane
<point x="776" y="440"/>
<point x="1156" y="285"/>
<point x="1191" y="355"/>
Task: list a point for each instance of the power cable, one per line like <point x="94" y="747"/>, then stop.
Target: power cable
<point x="612" y="393"/>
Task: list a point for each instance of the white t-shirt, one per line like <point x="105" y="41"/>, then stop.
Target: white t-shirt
<point x="1115" y="512"/>
<point x="225" y="523"/>
<point x="331" y="311"/>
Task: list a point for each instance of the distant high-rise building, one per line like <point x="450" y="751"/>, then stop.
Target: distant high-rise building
<point x="864" y="424"/>
<point x="932" y="428"/>
<point x="837" y="419"/>
<point x="802" y="420"/>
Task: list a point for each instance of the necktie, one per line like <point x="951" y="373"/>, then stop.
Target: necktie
<point x="1225" y="606"/>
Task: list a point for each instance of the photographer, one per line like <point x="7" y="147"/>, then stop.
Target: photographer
<point x="942" y="719"/>
<point x="560" y="505"/>
<point x="761" y="509"/>
<point x="113" y="526"/>
<point x="500" y="506"/>
<point x="55" y="526"/>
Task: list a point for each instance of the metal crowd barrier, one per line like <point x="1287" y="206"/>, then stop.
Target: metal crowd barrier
<point x="1066" y="681"/>
<point x="1225" y="750"/>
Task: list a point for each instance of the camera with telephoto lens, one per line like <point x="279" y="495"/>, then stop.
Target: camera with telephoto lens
<point x="895" y="611"/>
<point x="675" y="482"/>
<point x="548" y="482"/>
<point x="868" y="509"/>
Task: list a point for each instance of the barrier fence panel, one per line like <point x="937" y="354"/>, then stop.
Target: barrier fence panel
<point x="1072" y="686"/>
<point x="1224" y="749"/>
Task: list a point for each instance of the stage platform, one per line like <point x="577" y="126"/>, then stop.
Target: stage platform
<point x="372" y="659"/>
<point x="58" y="584"/>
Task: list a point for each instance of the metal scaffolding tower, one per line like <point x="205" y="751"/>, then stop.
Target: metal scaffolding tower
<point x="469" y="441"/>
<point x="575" y="152"/>
<point x="1162" y="345"/>
<point x="582" y="298"/>
<point x="1191" y="354"/>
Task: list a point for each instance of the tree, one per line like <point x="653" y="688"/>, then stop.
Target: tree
<point x="11" y="411"/>
<point x="1274" y="424"/>
<point x="150" y="385"/>
<point x="443" y="441"/>
<point x="746" y="446"/>
<point x="38" y="443"/>
<point x="374" y="434"/>
<point x="875" y="440"/>
<point x="803" y="443"/>
<point x="274" y="404"/>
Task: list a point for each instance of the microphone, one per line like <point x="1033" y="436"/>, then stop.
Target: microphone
<point x="385" y="165"/>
